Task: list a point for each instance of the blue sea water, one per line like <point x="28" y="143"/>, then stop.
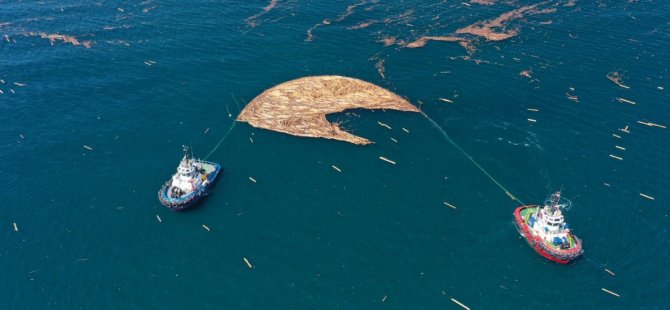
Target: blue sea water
<point x="162" y="74"/>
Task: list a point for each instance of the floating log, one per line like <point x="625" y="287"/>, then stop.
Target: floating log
<point x="652" y="124"/>
<point x="610" y="292"/>
<point x="246" y="261"/>
<point x="159" y="218"/>
<point x="405" y="130"/>
<point x="386" y="160"/>
<point x="205" y="227"/>
<point x="624" y="100"/>
<point x="394" y="140"/>
<point x="16" y="228"/>
<point x="616" y="157"/>
<point x="252" y="179"/>
<point x="533" y="110"/>
<point x="446" y="100"/>
<point x="449" y="205"/>
<point x="610" y="272"/>
<point x="336" y="168"/>
<point x="384" y="125"/>
<point x="460" y="304"/>
<point x="532" y="120"/>
<point x="647" y="196"/>
<point x="620" y="147"/>
<point x="88" y="147"/>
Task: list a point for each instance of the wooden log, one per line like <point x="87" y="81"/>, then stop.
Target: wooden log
<point x="384" y="125"/>
<point x="449" y="205"/>
<point x="387" y="160"/>
<point x="623" y="100"/>
<point x="460" y="304"/>
<point x="246" y="261"/>
<point x="610" y="292"/>
<point x="647" y="196"/>
<point x="616" y="157"/>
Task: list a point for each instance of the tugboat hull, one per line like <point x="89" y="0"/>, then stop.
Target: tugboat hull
<point x="188" y="201"/>
<point x="561" y="256"/>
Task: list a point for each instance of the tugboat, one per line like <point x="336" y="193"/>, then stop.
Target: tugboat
<point x="546" y="231"/>
<point x="190" y="184"/>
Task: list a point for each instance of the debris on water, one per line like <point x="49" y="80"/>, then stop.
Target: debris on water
<point x="571" y="97"/>
<point x="384" y="125"/>
<point x="251" y="21"/>
<point x="387" y="160"/>
<point x="616" y="157"/>
<point x="647" y="196"/>
<point x="610" y="292"/>
<point x="652" y="124"/>
<point x="61" y="37"/>
<point x="460" y="304"/>
<point x="205" y="227"/>
<point x="617" y="78"/>
<point x="449" y="205"/>
<point x="246" y="261"/>
<point x="624" y="100"/>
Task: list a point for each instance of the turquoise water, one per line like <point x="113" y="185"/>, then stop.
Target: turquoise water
<point x="375" y="235"/>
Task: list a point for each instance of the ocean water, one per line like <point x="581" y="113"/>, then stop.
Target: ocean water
<point x="162" y="74"/>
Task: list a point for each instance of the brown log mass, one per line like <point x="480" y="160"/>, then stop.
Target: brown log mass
<point x="422" y="41"/>
<point x="299" y="107"/>
<point x="495" y="29"/>
<point x="61" y="37"/>
<point x="251" y="21"/>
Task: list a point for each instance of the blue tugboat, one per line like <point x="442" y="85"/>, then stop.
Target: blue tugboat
<point x="190" y="184"/>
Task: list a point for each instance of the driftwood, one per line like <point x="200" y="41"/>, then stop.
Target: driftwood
<point x="299" y="107"/>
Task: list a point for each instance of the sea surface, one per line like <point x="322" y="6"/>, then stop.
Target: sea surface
<point x="93" y="122"/>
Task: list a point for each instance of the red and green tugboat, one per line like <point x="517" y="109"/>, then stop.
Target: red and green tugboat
<point x="546" y="231"/>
